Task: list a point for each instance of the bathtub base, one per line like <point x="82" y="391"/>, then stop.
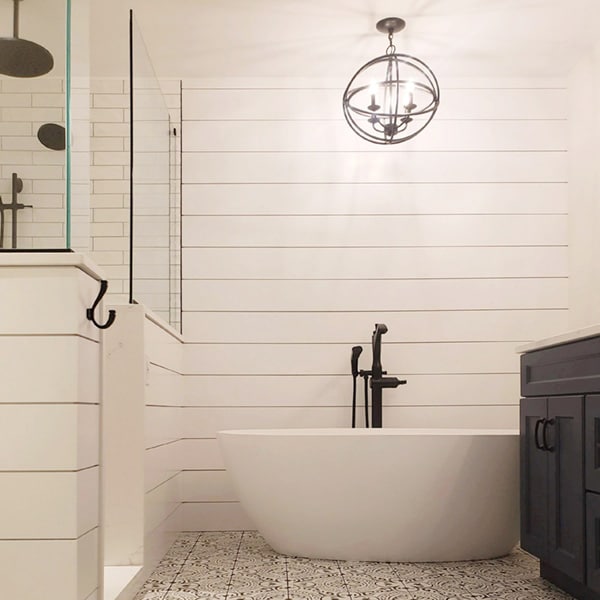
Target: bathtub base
<point x="388" y="495"/>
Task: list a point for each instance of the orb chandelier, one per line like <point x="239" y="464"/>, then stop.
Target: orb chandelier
<point x="393" y="97"/>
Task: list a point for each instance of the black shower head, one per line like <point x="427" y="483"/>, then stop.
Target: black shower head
<point x="22" y="58"/>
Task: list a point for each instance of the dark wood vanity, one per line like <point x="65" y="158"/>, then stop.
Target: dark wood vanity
<point x="560" y="463"/>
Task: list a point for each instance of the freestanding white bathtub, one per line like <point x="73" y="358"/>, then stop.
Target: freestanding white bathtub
<point x="399" y="495"/>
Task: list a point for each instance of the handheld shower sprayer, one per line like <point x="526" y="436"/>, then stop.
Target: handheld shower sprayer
<point x="356" y="351"/>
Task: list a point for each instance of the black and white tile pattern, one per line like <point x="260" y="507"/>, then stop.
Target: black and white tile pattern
<point x="241" y="566"/>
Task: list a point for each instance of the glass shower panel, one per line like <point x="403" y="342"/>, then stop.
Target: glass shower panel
<point x="78" y="228"/>
<point x="155" y="243"/>
<point x="32" y="179"/>
<point x="36" y="112"/>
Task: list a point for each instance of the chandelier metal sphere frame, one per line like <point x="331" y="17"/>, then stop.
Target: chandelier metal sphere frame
<point x="393" y="97"/>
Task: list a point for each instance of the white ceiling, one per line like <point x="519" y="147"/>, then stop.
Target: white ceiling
<point x="205" y="38"/>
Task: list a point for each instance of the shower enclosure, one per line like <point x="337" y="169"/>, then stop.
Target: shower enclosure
<point x="44" y="126"/>
<point x="54" y="175"/>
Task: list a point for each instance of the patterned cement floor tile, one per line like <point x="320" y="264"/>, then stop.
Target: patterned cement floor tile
<point x="241" y="566"/>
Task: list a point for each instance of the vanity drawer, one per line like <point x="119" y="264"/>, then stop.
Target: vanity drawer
<point x="572" y="368"/>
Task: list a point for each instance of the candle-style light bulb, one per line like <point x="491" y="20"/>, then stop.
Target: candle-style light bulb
<point x="373" y="92"/>
<point x="409" y="96"/>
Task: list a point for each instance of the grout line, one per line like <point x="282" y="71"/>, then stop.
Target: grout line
<point x="287" y="577"/>
<point x="339" y="566"/>
<point x="234" y="565"/>
<point x="182" y="566"/>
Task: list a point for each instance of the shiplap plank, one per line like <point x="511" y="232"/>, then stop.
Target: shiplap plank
<point x="355" y="328"/>
<point x="206" y="422"/>
<point x="373" y="167"/>
<point x="214" y="516"/>
<point x="332" y="359"/>
<point x="162" y="424"/>
<point x="289" y="136"/>
<point x="295" y="82"/>
<point x="160" y="464"/>
<point x="294" y="104"/>
<point x="336" y="390"/>
<point x="163" y="349"/>
<point x="414" y="230"/>
<point x="206" y="486"/>
<point x="160" y="503"/>
<point x="373" y="263"/>
<point x="374" y="198"/>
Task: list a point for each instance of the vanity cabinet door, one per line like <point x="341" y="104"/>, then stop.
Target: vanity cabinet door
<point x="593" y="540"/>
<point x="592" y="442"/>
<point x="534" y="478"/>
<point x="562" y="436"/>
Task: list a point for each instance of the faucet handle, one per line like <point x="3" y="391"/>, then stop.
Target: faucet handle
<point x="387" y="382"/>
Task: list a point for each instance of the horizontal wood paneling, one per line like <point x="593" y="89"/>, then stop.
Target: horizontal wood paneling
<point x="379" y="231"/>
<point x="206" y="486"/>
<point x="162" y="348"/>
<point x="353" y="328"/>
<point x="373" y="167"/>
<point x="298" y="236"/>
<point x="70" y="504"/>
<point x="214" y="516"/>
<point x="373" y="263"/>
<point x="374" y="198"/>
<point x="160" y="504"/>
<point x="294" y="104"/>
<point x="162" y="424"/>
<point x="67" y="369"/>
<point x="332" y="359"/>
<point x="336" y="136"/>
<point x="492" y="82"/>
<point x="165" y="387"/>
<point x="201" y="454"/>
<point x="63" y="568"/>
<point x="336" y="390"/>
<point x="56" y="437"/>
<point x="206" y="422"/>
<point x="373" y="295"/>
<point x="160" y="464"/>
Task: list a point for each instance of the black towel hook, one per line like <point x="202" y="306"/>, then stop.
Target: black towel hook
<point x="89" y="313"/>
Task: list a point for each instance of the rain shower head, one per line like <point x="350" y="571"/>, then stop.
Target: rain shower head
<point x="22" y="58"/>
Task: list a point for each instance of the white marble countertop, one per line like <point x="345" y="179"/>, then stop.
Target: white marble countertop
<point x="568" y="336"/>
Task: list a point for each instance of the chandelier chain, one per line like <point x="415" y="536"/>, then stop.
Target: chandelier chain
<point x="391" y="49"/>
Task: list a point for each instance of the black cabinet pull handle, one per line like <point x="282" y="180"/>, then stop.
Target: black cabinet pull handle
<point x="544" y="430"/>
<point x="536" y="434"/>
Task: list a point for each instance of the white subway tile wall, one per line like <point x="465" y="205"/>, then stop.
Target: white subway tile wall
<point x="25" y="105"/>
<point x="298" y="236"/>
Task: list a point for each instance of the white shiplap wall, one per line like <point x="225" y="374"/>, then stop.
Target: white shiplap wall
<point x="49" y="429"/>
<point x="298" y="236"/>
<point x="142" y="439"/>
